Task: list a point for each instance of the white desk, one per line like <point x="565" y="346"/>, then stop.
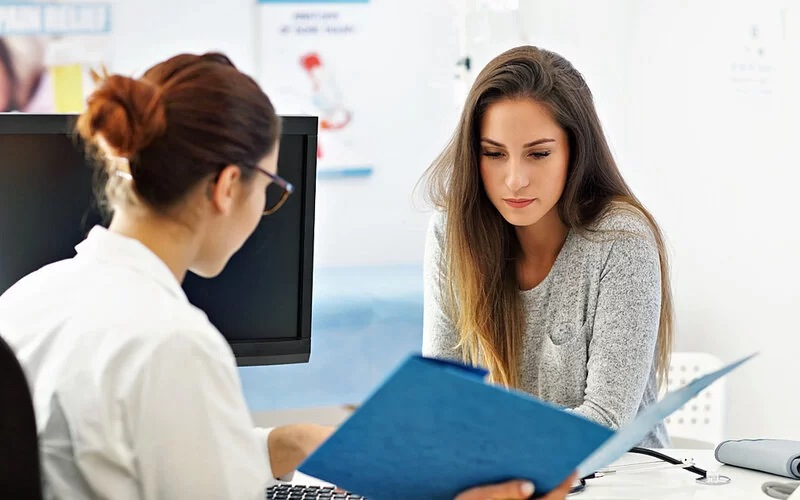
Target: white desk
<point x="672" y="484"/>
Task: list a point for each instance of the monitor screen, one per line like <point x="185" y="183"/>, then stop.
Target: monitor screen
<point x="261" y="302"/>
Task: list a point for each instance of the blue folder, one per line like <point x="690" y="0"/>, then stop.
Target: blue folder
<point x="435" y="428"/>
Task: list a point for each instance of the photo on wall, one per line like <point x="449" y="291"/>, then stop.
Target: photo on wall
<point x="47" y="50"/>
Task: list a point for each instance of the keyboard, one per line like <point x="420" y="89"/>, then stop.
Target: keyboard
<point x="298" y="492"/>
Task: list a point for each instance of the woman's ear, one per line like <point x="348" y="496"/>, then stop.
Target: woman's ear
<point x="223" y="191"/>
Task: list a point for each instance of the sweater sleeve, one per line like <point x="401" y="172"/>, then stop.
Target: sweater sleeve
<point x="622" y="347"/>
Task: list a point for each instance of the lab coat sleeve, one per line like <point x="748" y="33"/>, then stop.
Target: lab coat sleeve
<point x="190" y="427"/>
<point x="262" y="438"/>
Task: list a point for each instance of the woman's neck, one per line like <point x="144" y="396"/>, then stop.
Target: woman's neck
<point x="172" y="242"/>
<point x="540" y="245"/>
<point x="544" y="239"/>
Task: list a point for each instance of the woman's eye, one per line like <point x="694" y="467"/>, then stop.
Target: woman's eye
<point x="492" y="154"/>
<point x="539" y="154"/>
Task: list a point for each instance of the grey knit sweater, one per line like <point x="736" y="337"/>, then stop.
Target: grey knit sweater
<point x="592" y="324"/>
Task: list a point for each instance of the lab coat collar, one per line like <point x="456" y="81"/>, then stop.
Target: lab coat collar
<point x="105" y="246"/>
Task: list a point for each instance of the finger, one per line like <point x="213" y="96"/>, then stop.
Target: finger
<point x="563" y="489"/>
<point x="511" y="490"/>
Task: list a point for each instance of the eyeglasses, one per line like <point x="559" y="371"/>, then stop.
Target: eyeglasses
<point x="278" y="191"/>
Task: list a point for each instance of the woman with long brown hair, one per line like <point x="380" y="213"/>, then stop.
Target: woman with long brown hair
<point x="541" y="265"/>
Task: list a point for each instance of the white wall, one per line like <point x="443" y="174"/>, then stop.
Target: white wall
<point x="411" y="113"/>
<point x="147" y="31"/>
<point x="716" y="167"/>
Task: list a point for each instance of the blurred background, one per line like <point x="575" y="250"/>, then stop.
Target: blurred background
<point x="699" y="100"/>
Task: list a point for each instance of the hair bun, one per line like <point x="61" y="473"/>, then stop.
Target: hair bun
<point x="127" y="114"/>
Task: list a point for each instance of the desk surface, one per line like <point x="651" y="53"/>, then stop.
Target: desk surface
<point x="673" y="484"/>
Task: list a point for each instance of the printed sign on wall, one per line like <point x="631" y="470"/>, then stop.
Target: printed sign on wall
<point x="310" y="64"/>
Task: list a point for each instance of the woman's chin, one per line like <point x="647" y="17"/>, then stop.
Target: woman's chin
<point x="521" y="218"/>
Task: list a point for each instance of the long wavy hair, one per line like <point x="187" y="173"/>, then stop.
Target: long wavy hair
<point x="481" y="288"/>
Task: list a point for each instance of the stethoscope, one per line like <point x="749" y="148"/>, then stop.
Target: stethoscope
<point x="707" y="478"/>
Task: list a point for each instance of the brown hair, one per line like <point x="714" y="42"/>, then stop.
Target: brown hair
<point x="184" y="120"/>
<point x="480" y="248"/>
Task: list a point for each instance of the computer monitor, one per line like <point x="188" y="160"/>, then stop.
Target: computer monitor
<point x="262" y="300"/>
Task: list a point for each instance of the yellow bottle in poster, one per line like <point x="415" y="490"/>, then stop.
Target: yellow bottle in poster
<point x="68" y="88"/>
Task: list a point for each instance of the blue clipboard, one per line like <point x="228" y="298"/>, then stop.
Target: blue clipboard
<point x="435" y="428"/>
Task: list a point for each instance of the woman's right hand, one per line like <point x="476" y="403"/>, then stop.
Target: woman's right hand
<point x="514" y="490"/>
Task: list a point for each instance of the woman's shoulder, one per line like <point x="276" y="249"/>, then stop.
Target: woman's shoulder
<point x="438" y="220"/>
<point x="436" y="228"/>
<point x="621" y="232"/>
<point x="435" y="245"/>
<point x="623" y="220"/>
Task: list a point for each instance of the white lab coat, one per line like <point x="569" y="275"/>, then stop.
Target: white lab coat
<point x="137" y="395"/>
